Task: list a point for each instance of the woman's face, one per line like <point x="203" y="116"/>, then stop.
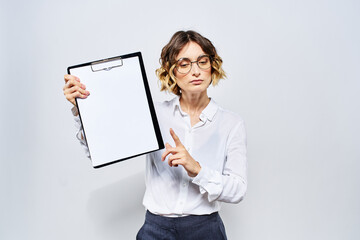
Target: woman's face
<point x="197" y="79"/>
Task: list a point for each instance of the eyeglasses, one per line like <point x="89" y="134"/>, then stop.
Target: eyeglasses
<point x="184" y="65"/>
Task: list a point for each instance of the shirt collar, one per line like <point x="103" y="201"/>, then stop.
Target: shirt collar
<point x="208" y="113"/>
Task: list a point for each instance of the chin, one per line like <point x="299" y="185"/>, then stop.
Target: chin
<point x="196" y="89"/>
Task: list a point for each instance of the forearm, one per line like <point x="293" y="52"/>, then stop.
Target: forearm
<point x="80" y="132"/>
<point x="230" y="183"/>
<point x="219" y="187"/>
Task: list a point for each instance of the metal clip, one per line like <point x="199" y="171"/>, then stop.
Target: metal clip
<point x="106" y="64"/>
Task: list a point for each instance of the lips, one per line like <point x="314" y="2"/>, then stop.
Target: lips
<point x="196" y="81"/>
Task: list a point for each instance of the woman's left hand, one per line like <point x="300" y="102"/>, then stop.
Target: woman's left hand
<point x="180" y="156"/>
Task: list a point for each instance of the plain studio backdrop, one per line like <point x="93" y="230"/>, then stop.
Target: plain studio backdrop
<point x="293" y="75"/>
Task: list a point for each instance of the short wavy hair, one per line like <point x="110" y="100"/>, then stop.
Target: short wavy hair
<point x="168" y="60"/>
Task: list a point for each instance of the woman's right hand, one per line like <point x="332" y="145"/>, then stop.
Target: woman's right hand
<point x="74" y="89"/>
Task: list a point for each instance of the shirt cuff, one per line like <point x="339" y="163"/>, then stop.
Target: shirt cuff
<point x="77" y="122"/>
<point x="200" y="179"/>
<point x="209" y="181"/>
<point x="199" y="176"/>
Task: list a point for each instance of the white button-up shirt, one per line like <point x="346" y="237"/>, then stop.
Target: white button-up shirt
<point x="217" y="142"/>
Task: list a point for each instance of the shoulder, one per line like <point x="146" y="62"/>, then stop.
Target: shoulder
<point x="165" y="105"/>
<point x="229" y="117"/>
<point x="234" y="125"/>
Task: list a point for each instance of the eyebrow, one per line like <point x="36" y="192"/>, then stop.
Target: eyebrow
<point x="196" y="58"/>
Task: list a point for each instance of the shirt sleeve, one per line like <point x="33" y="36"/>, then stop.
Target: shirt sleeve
<point x="80" y="132"/>
<point x="230" y="185"/>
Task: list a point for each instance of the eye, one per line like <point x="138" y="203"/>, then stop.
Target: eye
<point x="184" y="63"/>
<point x="203" y="60"/>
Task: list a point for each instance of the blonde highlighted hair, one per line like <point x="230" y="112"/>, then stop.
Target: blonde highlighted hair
<point x="168" y="59"/>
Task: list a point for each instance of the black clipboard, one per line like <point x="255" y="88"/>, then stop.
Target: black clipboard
<point x="118" y="117"/>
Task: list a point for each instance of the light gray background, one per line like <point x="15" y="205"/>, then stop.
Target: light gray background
<point x="293" y="75"/>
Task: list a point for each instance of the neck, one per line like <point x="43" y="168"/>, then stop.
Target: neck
<point x="194" y="103"/>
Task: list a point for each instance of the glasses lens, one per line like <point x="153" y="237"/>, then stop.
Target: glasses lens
<point x="183" y="65"/>
<point x="204" y="62"/>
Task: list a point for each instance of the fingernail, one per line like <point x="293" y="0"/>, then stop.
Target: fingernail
<point x="82" y="86"/>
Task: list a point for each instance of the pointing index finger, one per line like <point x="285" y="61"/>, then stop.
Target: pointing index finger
<point x="175" y="137"/>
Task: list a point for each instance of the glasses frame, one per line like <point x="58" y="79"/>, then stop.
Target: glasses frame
<point x="191" y="63"/>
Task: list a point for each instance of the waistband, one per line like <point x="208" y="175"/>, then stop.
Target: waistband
<point x="180" y="222"/>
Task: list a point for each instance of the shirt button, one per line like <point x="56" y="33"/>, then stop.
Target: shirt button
<point x="184" y="184"/>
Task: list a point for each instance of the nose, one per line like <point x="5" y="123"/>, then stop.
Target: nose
<point x="195" y="70"/>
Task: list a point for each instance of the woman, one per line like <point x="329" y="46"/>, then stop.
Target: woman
<point x="204" y="162"/>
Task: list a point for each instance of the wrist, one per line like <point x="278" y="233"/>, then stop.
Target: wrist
<point x="197" y="169"/>
<point x="74" y="111"/>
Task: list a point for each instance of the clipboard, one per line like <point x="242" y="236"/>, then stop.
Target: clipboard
<point x="118" y="117"/>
